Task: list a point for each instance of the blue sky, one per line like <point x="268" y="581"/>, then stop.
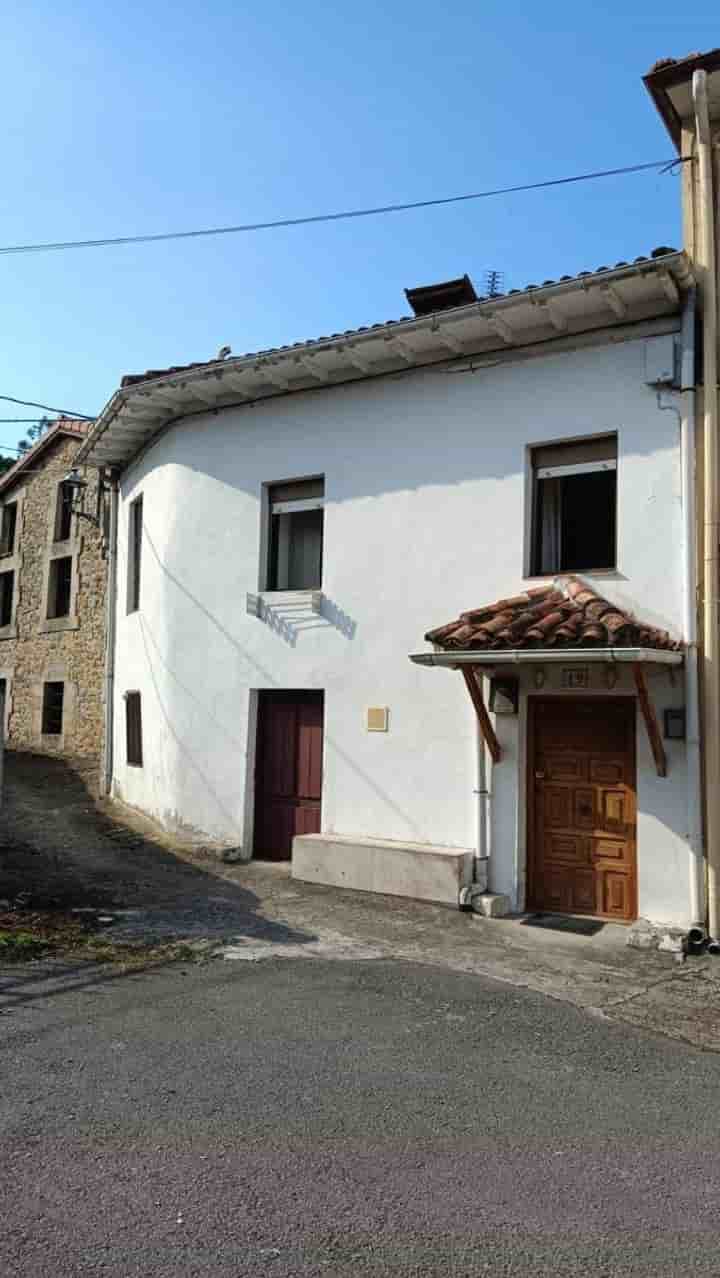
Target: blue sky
<point x="122" y="119"/>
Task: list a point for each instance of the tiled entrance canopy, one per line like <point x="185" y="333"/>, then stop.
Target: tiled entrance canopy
<point x="566" y="614"/>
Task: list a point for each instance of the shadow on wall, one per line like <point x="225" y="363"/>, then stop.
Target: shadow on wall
<point x="289" y="620"/>
<point x="266" y="680"/>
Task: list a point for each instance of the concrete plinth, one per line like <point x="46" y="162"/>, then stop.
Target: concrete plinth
<point x="421" y="871"/>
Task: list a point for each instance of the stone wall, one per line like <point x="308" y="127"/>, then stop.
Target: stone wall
<point x="36" y="649"/>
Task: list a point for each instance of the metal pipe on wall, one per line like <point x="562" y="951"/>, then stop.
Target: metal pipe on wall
<point x="110" y="613"/>
<point x="692" y="702"/>
<point x="711" y="492"/>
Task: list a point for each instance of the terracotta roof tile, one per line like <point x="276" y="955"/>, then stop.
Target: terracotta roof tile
<point x="566" y="614"/>
<point x="61" y="426"/>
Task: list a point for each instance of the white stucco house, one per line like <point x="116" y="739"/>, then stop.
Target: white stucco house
<point x="424" y="606"/>
<point x="289" y="526"/>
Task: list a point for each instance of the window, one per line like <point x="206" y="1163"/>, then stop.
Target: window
<point x="59" y="587"/>
<point x="63" y="513"/>
<point x="296" y="535"/>
<point x="52" y="708"/>
<point x="133" y="729"/>
<point x="134" y="555"/>
<point x="7" y="585"/>
<point x="574" y="506"/>
<point x="7" y="528"/>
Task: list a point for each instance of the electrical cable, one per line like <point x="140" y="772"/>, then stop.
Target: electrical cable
<point x="64" y="412"/>
<point x="663" y="165"/>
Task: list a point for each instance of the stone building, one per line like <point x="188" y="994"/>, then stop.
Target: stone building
<point x="52" y="600"/>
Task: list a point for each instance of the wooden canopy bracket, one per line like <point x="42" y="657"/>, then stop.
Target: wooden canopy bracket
<point x="651" y="723"/>
<point x="476" y="696"/>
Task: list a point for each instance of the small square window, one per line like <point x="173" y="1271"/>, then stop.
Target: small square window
<point x="574" y="506"/>
<point x="134" y="554"/>
<point x="52" y="709"/>
<point x="296" y="535"/>
<point x="59" y="587"/>
<point x="133" y="729"/>
<point x="63" y="513"/>
<point x="7" y="587"/>
<point x="8" y="527"/>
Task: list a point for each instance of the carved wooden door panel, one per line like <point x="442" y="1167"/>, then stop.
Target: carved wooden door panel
<point x="582" y="807"/>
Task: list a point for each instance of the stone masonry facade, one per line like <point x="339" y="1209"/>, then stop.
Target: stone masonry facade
<point x="54" y="631"/>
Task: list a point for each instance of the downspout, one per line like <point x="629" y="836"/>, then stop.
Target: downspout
<point x="692" y="704"/>
<point x="482" y="794"/>
<point x="483" y="808"/>
<point x="711" y="630"/>
<point x="110" y="613"/>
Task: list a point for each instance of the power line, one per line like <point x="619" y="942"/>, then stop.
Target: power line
<point x="31" y="403"/>
<point x="663" y="165"/>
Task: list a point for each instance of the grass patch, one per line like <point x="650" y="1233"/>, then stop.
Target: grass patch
<point x="18" y="947"/>
<point x="33" y="934"/>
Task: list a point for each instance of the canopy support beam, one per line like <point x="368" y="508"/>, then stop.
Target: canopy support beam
<point x="469" y="674"/>
<point x="651" y="723"/>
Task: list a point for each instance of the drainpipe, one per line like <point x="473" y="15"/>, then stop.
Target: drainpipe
<point x="692" y="706"/>
<point x="110" y="612"/>
<point x="711" y="631"/>
<point x="482" y="821"/>
<point x="483" y="802"/>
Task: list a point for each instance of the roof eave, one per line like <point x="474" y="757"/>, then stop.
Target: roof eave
<point x="649" y="288"/>
<point x="661" y="79"/>
<point x="19" y="468"/>
<point x="542" y="656"/>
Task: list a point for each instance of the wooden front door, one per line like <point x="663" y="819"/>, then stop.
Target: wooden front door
<point x="288" y="771"/>
<point x="581" y="817"/>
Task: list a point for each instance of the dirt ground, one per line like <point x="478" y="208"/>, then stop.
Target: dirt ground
<point x="71" y="862"/>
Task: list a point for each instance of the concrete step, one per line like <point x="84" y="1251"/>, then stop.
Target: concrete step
<point x="421" y="871"/>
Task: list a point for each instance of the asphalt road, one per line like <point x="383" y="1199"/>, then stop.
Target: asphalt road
<point x="306" y="1117"/>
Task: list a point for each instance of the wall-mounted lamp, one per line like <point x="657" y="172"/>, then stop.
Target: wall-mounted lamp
<point x="75" y="486"/>
<point x="504" y="696"/>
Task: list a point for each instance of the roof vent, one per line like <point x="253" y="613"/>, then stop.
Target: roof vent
<point x="429" y="298"/>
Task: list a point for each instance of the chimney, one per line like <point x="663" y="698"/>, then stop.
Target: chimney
<point x="428" y="298"/>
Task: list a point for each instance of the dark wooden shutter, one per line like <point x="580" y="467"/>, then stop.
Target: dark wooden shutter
<point x="134" y="554"/>
<point x="52" y="708"/>
<point x="63" y="513"/>
<point x="133" y="728"/>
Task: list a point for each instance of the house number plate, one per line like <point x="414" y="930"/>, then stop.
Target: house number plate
<point x="576" y="677"/>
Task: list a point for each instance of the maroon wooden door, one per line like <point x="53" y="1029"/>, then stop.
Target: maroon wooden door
<point x="288" y="772"/>
<point x="582" y="807"/>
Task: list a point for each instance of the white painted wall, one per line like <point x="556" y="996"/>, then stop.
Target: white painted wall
<point x="426" y="487"/>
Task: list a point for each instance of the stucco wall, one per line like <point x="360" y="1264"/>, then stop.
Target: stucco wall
<point x="426" y="498"/>
<point x="70" y="650"/>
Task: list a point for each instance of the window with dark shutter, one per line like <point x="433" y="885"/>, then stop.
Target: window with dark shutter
<point x="133" y="729"/>
<point x="63" y="513"/>
<point x="7" y="586"/>
<point x="296" y="535"/>
<point x="7" y="528"/>
<point x="52" y="708"/>
<point x="134" y="554"/>
<point x="59" y="587"/>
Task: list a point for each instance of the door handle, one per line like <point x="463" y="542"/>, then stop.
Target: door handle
<point x="539" y="776"/>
